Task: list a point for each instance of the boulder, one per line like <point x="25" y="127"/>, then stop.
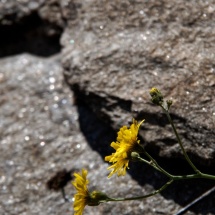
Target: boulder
<point x="115" y="53"/>
<point x="41" y="138"/>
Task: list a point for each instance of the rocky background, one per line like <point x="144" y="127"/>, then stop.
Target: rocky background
<point x="73" y="72"/>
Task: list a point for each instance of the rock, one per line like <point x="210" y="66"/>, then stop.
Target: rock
<point x="40" y="136"/>
<point x="126" y="47"/>
<point x="38" y="119"/>
<point x="52" y="11"/>
<point x="115" y="53"/>
<point x="14" y="11"/>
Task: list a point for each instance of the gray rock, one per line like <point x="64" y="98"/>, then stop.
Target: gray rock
<point x="38" y="120"/>
<point x="115" y="53"/>
<point x="52" y="11"/>
<point x="40" y="135"/>
<point x="14" y="11"/>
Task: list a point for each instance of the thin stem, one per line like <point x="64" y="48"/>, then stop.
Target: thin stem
<point x="141" y="197"/>
<point x="150" y="163"/>
<point x="154" y="164"/>
<point x="179" y="140"/>
<point x="171" y="180"/>
<point x="207" y="176"/>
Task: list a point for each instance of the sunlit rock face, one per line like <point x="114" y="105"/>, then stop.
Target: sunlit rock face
<point x="61" y="106"/>
<point x="114" y="53"/>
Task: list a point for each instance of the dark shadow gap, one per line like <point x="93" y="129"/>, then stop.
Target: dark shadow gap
<point x="98" y="134"/>
<point x="31" y="35"/>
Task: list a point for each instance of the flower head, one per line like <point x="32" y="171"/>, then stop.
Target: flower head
<point x="126" y="143"/>
<point x="83" y="197"/>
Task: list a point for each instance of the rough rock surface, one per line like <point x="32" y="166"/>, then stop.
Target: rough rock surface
<point x="40" y="136"/>
<point x="113" y="53"/>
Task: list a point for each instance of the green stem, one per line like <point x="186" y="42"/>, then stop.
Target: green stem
<point x="179" y="140"/>
<point x="141" y="197"/>
<point x="198" y="175"/>
<point x="203" y="175"/>
<point x="154" y="164"/>
<point x="150" y="163"/>
<point x="172" y="179"/>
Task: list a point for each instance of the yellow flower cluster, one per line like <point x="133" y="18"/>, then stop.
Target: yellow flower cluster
<point x="126" y="143"/>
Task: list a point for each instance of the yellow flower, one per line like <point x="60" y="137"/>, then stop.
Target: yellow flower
<point x="82" y="196"/>
<point x="126" y="143"/>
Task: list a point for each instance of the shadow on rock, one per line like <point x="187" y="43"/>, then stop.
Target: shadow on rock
<point x="32" y="35"/>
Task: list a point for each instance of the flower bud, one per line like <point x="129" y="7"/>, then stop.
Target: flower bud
<point x="97" y="197"/>
<point x="169" y="103"/>
<point x="135" y="156"/>
<point x="156" y="96"/>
